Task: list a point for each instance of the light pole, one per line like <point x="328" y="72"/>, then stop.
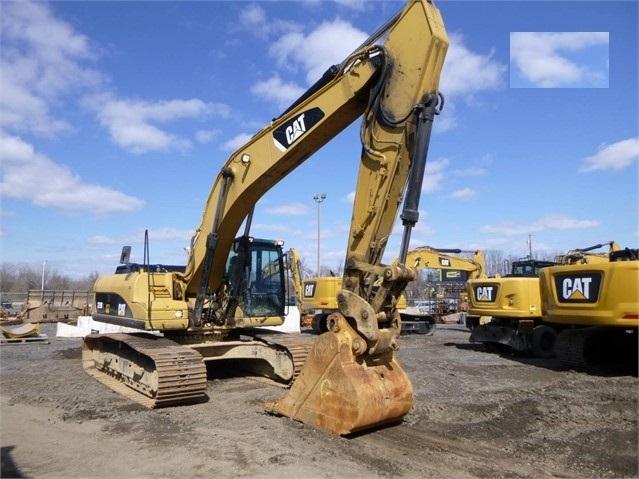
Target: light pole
<point x="319" y="198"/>
<point x="43" y="265"/>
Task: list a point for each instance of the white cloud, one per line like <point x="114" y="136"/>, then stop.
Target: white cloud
<point x="291" y="209"/>
<point x="549" y="222"/>
<point x="132" y="124"/>
<point x="253" y="19"/>
<point x="328" y="44"/>
<point x="41" y="59"/>
<point x="434" y="175"/>
<point x="538" y="56"/>
<point x="352" y="4"/>
<point x="471" y="171"/>
<point x="252" y="16"/>
<point x="29" y="175"/>
<point x="237" y="142"/>
<point x="463" y="194"/>
<point x="206" y="136"/>
<point x="466" y="72"/>
<point x="274" y="89"/>
<point x="160" y="234"/>
<point x="617" y="156"/>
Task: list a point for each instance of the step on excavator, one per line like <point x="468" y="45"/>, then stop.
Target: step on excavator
<point x="347" y="379"/>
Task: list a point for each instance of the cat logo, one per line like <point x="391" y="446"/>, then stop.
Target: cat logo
<point x="309" y="290"/>
<point x="444" y="262"/>
<point x="292" y="130"/>
<point x="578" y="288"/>
<point x="486" y="294"/>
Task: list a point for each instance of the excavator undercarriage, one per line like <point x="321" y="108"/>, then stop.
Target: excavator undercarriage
<point x="156" y="371"/>
<point x="145" y="368"/>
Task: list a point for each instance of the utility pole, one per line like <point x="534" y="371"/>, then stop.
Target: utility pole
<point x="529" y="246"/>
<point x="319" y="198"/>
<point x="43" y="266"/>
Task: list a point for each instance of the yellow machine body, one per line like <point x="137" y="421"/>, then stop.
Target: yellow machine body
<point x="595" y="308"/>
<point x="506" y="310"/>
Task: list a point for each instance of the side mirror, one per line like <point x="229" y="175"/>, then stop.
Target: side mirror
<point x="125" y="256"/>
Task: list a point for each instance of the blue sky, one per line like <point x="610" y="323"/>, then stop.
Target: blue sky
<point x="115" y="117"/>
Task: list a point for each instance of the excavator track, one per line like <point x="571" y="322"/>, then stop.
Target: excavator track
<point x="148" y="369"/>
<point x="298" y="346"/>
<point x="570" y="348"/>
<point x="592" y="348"/>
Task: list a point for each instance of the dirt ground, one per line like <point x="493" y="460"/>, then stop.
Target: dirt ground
<point x="475" y="415"/>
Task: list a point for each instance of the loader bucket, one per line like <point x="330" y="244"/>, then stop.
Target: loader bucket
<point x="341" y="391"/>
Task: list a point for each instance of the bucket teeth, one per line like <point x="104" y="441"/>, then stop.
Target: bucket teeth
<point x="341" y="391"/>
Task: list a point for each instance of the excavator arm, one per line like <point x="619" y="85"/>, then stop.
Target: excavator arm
<point x="427" y="257"/>
<point x="583" y="255"/>
<point x="395" y="87"/>
<point x="352" y="380"/>
<point x="294" y="265"/>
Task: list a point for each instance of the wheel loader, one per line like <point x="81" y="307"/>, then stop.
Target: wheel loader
<point x="214" y="307"/>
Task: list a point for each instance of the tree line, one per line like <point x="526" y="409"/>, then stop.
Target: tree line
<point x="20" y="278"/>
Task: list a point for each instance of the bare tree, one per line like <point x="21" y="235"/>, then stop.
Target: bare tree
<point x="495" y="262"/>
<point x="20" y="278"/>
<point x="85" y="284"/>
<point x="8" y="277"/>
<point x="28" y="278"/>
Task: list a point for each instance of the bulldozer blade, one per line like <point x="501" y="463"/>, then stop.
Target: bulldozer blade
<point x="342" y="389"/>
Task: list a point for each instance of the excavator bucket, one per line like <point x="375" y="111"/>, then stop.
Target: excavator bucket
<point x="342" y="389"/>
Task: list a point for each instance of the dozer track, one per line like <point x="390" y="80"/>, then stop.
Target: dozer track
<point x="148" y="369"/>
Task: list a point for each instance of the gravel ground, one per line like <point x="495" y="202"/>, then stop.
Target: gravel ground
<point x="475" y="415"/>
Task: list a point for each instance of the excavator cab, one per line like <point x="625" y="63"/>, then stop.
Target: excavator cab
<point x="529" y="268"/>
<point x="255" y="277"/>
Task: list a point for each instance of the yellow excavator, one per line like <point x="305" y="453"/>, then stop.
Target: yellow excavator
<point x="595" y="308"/>
<point x="504" y="312"/>
<point x="318" y="295"/>
<point x="348" y="379"/>
<point x="453" y="271"/>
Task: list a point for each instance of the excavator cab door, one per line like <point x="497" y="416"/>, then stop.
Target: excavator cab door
<point x="255" y="273"/>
